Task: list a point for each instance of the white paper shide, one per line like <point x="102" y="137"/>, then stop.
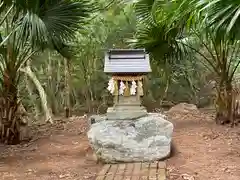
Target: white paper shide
<point x="133" y="88"/>
<point x="110" y="87"/>
<point x="122" y="88"/>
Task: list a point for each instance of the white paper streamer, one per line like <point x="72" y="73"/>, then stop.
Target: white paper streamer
<point x="122" y="87"/>
<point x="133" y="88"/>
<point x="111" y="86"/>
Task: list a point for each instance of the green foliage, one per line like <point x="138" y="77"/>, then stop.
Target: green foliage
<point x="184" y="38"/>
<point x="109" y="28"/>
<point x="164" y="38"/>
<point x="28" y="28"/>
<point x="207" y="29"/>
<point x="114" y="26"/>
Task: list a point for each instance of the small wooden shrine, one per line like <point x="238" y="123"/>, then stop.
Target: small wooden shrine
<point x="127" y="68"/>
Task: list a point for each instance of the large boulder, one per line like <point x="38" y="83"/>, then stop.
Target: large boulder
<point x="184" y="108"/>
<point x="145" y="139"/>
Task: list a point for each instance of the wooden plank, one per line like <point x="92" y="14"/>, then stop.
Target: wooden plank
<point x="120" y="172"/>
<point x="101" y="175"/>
<point x="161" y="164"/>
<point x="136" y="171"/>
<point x="129" y="171"/>
<point x="104" y="170"/>
<point x="153" y="171"/>
<point x="145" y="171"/>
<point x="111" y="172"/>
<point x="161" y="173"/>
<point x="133" y="171"/>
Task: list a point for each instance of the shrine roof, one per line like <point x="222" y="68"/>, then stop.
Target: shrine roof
<point x="127" y="61"/>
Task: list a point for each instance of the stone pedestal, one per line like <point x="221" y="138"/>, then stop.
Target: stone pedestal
<point x="126" y="108"/>
<point x="144" y="139"/>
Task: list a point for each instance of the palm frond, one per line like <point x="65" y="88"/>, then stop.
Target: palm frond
<point x="143" y="10"/>
<point x="52" y="21"/>
<point x="162" y="43"/>
<point x="219" y="14"/>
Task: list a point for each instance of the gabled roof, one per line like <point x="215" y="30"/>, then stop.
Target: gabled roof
<point x="127" y="61"/>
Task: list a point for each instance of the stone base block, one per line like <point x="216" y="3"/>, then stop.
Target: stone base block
<point x="126" y="112"/>
<point x="144" y="139"/>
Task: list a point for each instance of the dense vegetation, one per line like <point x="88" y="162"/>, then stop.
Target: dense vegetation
<point x="52" y="55"/>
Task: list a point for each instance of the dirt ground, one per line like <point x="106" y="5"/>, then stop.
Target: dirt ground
<point x="60" y="151"/>
<point x="204" y="151"/>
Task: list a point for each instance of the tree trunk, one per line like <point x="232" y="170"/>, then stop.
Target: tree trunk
<point x="67" y="88"/>
<point x="43" y="97"/>
<point x="165" y="93"/>
<point x="224" y="102"/>
<point x="30" y="91"/>
<point x="51" y="88"/>
<point x="10" y="124"/>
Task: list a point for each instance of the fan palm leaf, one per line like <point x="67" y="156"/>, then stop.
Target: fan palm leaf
<point x="219" y="14"/>
<point x="31" y="26"/>
<point x="48" y="22"/>
<point x="156" y="31"/>
<point x="53" y="22"/>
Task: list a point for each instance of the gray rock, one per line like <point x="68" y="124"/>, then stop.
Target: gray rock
<point x="96" y="118"/>
<point x="184" y="108"/>
<point x="145" y="139"/>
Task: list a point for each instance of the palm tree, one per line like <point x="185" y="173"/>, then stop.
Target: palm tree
<point x="30" y="27"/>
<point x="220" y="14"/>
<point x="163" y="40"/>
<point x="207" y="28"/>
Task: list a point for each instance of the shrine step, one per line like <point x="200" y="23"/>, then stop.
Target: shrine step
<point x="133" y="171"/>
<point x="127" y="107"/>
<point x="126" y="112"/>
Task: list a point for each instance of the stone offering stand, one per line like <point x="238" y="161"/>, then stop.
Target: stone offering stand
<point x="127" y="133"/>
